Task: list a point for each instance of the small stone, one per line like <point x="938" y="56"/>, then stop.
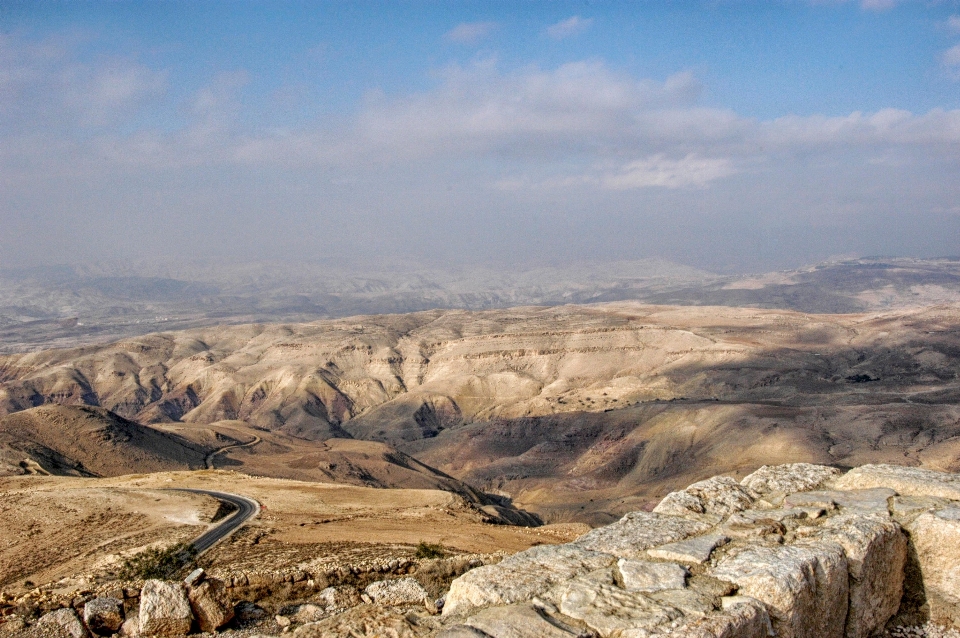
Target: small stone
<point x="282" y="621"/>
<point x="194" y="577"/>
<point x="402" y="591"/>
<point x="103" y="615"/>
<point x="62" y="622"/>
<point x="340" y="597"/>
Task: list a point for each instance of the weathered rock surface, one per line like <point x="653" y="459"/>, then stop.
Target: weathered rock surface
<point x="784" y="479"/>
<point x="400" y="591"/>
<point x="642" y="575"/>
<point x="514" y="621"/>
<point x="62" y="622"/>
<point x="720" y="496"/>
<point x="211" y="604"/>
<point x="638" y="531"/>
<point x="820" y="563"/>
<point x="164" y="609"/>
<point x="522" y="576"/>
<point x="690" y="551"/>
<point x="936" y="540"/>
<point x="803" y="586"/>
<point x="876" y="550"/>
<point x="103" y="615"/>
<point x="367" y="621"/>
<point x="906" y="481"/>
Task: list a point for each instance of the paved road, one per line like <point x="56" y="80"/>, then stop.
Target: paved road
<point x="247" y="508"/>
<point x="208" y="461"/>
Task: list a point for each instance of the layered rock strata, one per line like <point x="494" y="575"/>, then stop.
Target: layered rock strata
<point x="795" y="551"/>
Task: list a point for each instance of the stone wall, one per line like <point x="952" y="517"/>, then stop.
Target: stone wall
<point x="790" y="551"/>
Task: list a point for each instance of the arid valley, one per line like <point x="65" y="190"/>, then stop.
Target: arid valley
<point x="479" y="432"/>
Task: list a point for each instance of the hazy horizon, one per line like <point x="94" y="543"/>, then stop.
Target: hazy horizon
<point x="733" y="137"/>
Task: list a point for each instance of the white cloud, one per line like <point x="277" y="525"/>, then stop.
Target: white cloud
<point x="877" y="5"/>
<point x="470" y="32"/>
<point x="951" y="57"/>
<point x="953" y="23"/>
<point x="658" y="170"/>
<point x="569" y="27"/>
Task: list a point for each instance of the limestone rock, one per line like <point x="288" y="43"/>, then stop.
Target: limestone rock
<point x="130" y="626"/>
<point x="164" y="609"/>
<point x="211" y="604"/>
<point x="462" y="631"/>
<point x="338" y="598"/>
<point x="742" y="617"/>
<point x="608" y="609"/>
<point x="876" y="550"/>
<point x="642" y="575"/>
<point x="514" y="621"/>
<point x="522" y="576"/>
<point x="309" y="613"/>
<point x="804" y="586"/>
<point x="639" y="531"/>
<point x="936" y="539"/>
<point x="401" y="591"/>
<point x="792" y="477"/>
<point x="720" y="496"/>
<point x="103" y="615"/>
<point x="875" y="500"/>
<point x="692" y="551"/>
<point x="62" y="622"/>
<point x="367" y="621"/>
<point x="906" y="481"/>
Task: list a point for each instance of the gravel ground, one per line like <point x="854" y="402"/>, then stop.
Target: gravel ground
<point x="922" y="631"/>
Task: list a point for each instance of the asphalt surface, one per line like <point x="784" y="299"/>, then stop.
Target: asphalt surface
<point x="247" y="508"/>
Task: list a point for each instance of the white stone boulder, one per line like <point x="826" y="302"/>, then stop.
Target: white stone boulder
<point x="936" y="539"/>
<point x="791" y="477"/>
<point x="718" y="496"/>
<point x="804" y="586"/>
<point x="164" y="609"/>
<point x="103" y="615"/>
<point x="400" y="591"/>
<point x="906" y="481"/>
<point x="62" y="622"/>
<point x="520" y="577"/>
<point x="639" y="531"/>
<point x="876" y="550"/>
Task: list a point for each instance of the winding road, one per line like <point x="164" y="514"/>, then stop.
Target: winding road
<point x="247" y="508"/>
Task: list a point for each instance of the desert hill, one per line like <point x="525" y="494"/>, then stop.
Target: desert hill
<point x="571" y="410"/>
<point x="89" y="441"/>
<point x="85" y="441"/>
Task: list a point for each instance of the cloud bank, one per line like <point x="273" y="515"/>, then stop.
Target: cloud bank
<point x="488" y="161"/>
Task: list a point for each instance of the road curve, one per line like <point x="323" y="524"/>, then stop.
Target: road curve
<point x="247" y="508"/>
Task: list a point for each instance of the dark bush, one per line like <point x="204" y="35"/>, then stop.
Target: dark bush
<point x="159" y="563"/>
<point x="430" y="550"/>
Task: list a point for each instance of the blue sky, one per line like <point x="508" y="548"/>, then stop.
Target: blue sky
<point x="727" y="135"/>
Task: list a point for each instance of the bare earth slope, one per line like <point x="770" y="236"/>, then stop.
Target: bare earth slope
<point x="572" y="410"/>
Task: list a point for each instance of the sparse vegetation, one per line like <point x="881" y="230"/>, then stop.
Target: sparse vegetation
<point x="159" y="563"/>
<point x="430" y="550"/>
